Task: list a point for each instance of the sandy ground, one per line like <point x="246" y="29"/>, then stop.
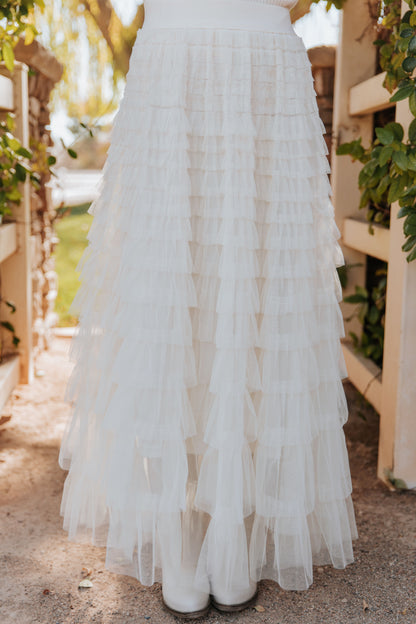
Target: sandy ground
<point x="41" y="569"/>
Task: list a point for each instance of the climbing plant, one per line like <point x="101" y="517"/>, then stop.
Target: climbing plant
<point x="389" y="167"/>
<point x="16" y="20"/>
<point x="389" y="171"/>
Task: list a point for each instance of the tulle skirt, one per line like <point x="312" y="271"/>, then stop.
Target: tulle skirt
<point x="207" y="391"/>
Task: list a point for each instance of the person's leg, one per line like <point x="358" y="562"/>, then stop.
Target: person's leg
<point x="180" y="537"/>
<point x="225" y="554"/>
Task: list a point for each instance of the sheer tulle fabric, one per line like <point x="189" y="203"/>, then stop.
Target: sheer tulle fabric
<point x="207" y="390"/>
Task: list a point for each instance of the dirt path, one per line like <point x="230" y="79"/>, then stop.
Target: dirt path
<point x="40" y="569"/>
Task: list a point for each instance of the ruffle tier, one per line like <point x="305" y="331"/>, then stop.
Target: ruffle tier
<point x="207" y="387"/>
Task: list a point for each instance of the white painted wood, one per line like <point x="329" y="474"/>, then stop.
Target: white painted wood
<point x="16" y="269"/>
<point x="355" y="62"/>
<point x="364" y="374"/>
<point x="9" y="378"/>
<point x="397" y="443"/>
<point x="393" y="395"/>
<point x="8" y="240"/>
<point x="369" y="96"/>
<point x="355" y="234"/>
<point x="6" y="93"/>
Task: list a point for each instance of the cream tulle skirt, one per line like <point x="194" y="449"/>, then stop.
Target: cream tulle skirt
<point x="207" y="391"/>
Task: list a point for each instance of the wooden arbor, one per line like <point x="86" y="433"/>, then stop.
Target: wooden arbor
<point x="15" y="266"/>
<point x="358" y="94"/>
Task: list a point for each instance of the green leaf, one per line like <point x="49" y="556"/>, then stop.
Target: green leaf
<point x="406" y="19"/>
<point x="22" y="151"/>
<point x="362" y="290"/>
<point x="394" y="191"/>
<point x="404" y="211"/>
<point x="72" y="153"/>
<point x="10" y="122"/>
<point x="12" y="142"/>
<point x="411" y="256"/>
<point x="373" y="315"/>
<point x="354" y="337"/>
<point x="365" y="198"/>
<point x="11" y="305"/>
<point x="409" y="244"/>
<point x="51" y="161"/>
<point x="400" y="159"/>
<point x="385" y="135"/>
<point x="361" y="315"/>
<point x="406" y="32"/>
<point x="7" y="326"/>
<point x="412" y="131"/>
<point x="387" y="50"/>
<point x="385" y="154"/>
<point x="368" y="351"/>
<point x="412" y="103"/>
<point x="14" y="195"/>
<point x="412" y="45"/>
<point x="409" y="226"/>
<point x="409" y="63"/>
<point x="399" y="484"/>
<point x="21" y="172"/>
<point x="383" y="185"/>
<point x="410" y="192"/>
<point x="30" y="33"/>
<point x="402" y="93"/>
<point x="396" y="128"/>
<point x="356" y="298"/>
<point x="8" y="55"/>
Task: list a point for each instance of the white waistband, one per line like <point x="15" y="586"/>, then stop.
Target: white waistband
<point x="234" y="14"/>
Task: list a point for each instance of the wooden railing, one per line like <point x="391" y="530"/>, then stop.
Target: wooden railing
<point x="15" y="266"/>
<point x="392" y="391"/>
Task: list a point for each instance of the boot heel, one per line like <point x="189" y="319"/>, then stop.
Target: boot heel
<point x="235" y="607"/>
<point x="187" y="615"/>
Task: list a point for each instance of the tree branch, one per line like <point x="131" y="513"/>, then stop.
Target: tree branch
<point x="113" y="31"/>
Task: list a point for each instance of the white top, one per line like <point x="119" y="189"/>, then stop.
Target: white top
<point x="262" y="15"/>
<point x="289" y="4"/>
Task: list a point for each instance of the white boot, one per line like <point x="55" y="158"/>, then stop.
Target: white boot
<point x="232" y="589"/>
<point x="235" y="599"/>
<point x="180" y="596"/>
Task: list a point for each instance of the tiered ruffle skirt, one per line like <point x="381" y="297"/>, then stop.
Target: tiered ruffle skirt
<point x="207" y="391"/>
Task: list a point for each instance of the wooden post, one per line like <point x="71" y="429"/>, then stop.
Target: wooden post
<point x="397" y="442"/>
<point x="355" y="62"/>
<point x="16" y="269"/>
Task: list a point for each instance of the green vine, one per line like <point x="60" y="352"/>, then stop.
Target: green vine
<point x="371" y="311"/>
<point x="15" y="167"/>
<point x="15" y="21"/>
<point x="9" y="327"/>
<point x="389" y="172"/>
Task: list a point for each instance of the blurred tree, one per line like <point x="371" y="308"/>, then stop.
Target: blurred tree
<point x="94" y="44"/>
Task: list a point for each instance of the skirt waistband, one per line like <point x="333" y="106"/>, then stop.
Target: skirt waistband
<point x="229" y="14"/>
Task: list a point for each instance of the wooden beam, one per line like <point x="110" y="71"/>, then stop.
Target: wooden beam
<point x="355" y="234"/>
<point x="364" y="374"/>
<point x="6" y="93"/>
<point x="16" y="269"/>
<point x="355" y="62"/>
<point x="397" y="442"/>
<point x="369" y="96"/>
<point x="9" y="378"/>
<point x="8" y="240"/>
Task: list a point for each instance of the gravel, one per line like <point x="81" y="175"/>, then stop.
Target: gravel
<point x="41" y="569"/>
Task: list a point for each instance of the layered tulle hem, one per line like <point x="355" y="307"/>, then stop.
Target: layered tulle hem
<point x="207" y="390"/>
